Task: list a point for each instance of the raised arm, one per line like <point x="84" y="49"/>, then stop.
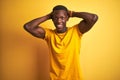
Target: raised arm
<point x="34" y="28"/>
<point x="88" y="21"/>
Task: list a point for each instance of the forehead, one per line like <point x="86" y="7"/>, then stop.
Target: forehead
<point x="59" y="12"/>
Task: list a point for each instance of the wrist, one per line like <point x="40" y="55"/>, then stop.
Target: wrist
<point x="48" y="16"/>
<point x="70" y="13"/>
<point x="74" y="14"/>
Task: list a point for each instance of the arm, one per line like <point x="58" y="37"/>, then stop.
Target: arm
<point x="33" y="28"/>
<point x="88" y="20"/>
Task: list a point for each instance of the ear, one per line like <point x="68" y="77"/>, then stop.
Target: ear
<point x="51" y="14"/>
<point x="68" y="15"/>
<point x="68" y="18"/>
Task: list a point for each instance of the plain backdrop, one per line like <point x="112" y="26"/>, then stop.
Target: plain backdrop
<point x="24" y="57"/>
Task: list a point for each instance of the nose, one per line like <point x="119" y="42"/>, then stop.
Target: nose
<point x="59" y="20"/>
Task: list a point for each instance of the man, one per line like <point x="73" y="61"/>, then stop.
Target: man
<point x="63" y="42"/>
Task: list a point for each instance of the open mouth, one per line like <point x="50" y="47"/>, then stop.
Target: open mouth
<point x="59" y="26"/>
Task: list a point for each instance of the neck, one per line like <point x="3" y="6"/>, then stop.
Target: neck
<point x="62" y="31"/>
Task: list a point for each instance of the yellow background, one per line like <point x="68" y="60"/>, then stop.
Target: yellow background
<point x="24" y="57"/>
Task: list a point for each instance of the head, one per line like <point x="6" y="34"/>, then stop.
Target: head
<point x="59" y="17"/>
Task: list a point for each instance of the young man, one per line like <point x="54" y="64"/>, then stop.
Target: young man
<point x="63" y="42"/>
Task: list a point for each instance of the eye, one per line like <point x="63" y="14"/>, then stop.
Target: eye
<point x="62" y="17"/>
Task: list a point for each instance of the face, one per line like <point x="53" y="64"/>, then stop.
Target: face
<point x="59" y="19"/>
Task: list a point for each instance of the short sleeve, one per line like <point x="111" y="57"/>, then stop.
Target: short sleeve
<point x="47" y="33"/>
<point x="77" y="30"/>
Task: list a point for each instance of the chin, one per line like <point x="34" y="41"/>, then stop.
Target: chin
<point x="60" y="31"/>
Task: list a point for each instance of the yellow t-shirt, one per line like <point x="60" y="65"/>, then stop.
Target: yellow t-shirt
<point x="64" y="53"/>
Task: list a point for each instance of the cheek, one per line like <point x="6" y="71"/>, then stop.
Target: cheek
<point x="65" y="21"/>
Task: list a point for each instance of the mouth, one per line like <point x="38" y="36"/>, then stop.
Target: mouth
<point x="59" y="26"/>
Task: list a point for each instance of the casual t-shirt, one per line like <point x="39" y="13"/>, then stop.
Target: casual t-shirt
<point x="64" y="53"/>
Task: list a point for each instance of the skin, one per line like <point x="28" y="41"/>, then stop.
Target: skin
<point x="59" y="18"/>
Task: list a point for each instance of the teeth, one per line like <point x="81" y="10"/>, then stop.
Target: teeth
<point x="59" y="25"/>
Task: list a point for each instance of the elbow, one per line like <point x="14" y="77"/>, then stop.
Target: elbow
<point x="95" y="17"/>
<point x="26" y="27"/>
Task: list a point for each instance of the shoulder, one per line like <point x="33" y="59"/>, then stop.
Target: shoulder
<point x="48" y="32"/>
<point x="75" y="29"/>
